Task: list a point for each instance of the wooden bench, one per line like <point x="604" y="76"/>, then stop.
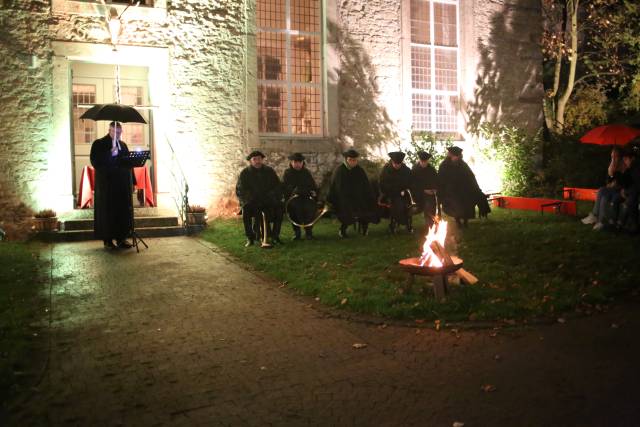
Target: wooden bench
<point x="567" y="207"/>
<point x="574" y="193"/>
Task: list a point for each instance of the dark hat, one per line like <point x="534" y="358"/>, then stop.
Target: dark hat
<point x="297" y="156"/>
<point x="255" y="153"/>
<point x="351" y="153"/>
<point x="456" y="151"/>
<point x="397" y="156"/>
<point x="423" y="155"/>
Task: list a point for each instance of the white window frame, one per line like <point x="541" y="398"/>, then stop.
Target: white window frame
<point x="288" y="84"/>
<point x="433" y="92"/>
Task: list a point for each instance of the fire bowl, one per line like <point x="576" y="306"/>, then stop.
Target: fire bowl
<point x="412" y="266"/>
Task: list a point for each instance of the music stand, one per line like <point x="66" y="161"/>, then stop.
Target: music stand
<point x="134" y="159"/>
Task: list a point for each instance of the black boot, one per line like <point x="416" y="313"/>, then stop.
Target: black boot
<point x="296" y="232"/>
<point x="308" y="234"/>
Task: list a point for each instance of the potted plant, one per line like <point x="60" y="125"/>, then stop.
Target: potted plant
<point x="196" y="215"/>
<point x="45" y="220"/>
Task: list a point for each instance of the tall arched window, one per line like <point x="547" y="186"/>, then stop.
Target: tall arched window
<point x="289" y="67"/>
<point x="434" y="65"/>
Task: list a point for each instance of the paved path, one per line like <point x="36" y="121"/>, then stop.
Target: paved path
<point x="179" y="335"/>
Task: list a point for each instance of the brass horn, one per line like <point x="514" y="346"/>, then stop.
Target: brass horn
<point x="324" y="210"/>
<point x="265" y="231"/>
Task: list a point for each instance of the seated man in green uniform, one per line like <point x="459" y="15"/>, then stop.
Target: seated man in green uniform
<point x="395" y="181"/>
<point x="350" y="194"/>
<point x="424" y="184"/>
<point x="259" y="190"/>
<point x="301" y="192"/>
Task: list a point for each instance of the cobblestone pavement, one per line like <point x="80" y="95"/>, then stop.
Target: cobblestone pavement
<point x="180" y="335"/>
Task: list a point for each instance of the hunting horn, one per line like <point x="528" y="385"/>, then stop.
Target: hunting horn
<point x="324" y="210"/>
<point x="265" y="230"/>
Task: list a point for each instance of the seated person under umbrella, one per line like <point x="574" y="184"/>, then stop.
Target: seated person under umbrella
<point x="458" y="189"/>
<point x="297" y="181"/>
<point x="259" y="190"/>
<point x="395" y="182"/>
<point x="628" y="216"/>
<point x="351" y="196"/>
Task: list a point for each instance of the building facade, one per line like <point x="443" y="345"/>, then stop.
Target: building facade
<point x="216" y="79"/>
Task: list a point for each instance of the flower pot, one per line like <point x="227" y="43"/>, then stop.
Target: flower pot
<point x="196" y="218"/>
<point x="45" y="224"/>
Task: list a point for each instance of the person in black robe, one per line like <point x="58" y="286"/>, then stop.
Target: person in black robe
<point x="458" y="189"/>
<point x="259" y="190"/>
<point x="350" y="195"/>
<point x="300" y="190"/>
<point x="424" y="184"/>
<point x="395" y="182"/>
<point x="113" y="188"/>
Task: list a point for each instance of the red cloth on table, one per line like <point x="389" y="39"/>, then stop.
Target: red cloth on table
<point x="143" y="182"/>
<point x="85" y="192"/>
<point x="87" y="183"/>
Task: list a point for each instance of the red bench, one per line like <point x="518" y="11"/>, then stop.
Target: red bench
<point x="567" y="207"/>
<point x="573" y="193"/>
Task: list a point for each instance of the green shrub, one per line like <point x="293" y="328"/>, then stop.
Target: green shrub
<point x="431" y="143"/>
<point x="520" y="154"/>
<point x="587" y="109"/>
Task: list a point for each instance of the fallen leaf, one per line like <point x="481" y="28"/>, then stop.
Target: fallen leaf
<point x="488" y="388"/>
<point x="437" y="325"/>
<point x="344" y="301"/>
<point x="614" y="326"/>
<point x="458" y="424"/>
<point x="263" y="368"/>
<point x="493" y="334"/>
<point x="561" y="320"/>
<point x="497" y="357"/>
<point x="359" y="345"/>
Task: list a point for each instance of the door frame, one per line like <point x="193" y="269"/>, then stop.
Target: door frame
<point x="157" y="61"/>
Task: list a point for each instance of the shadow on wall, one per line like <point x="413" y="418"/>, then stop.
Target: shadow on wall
<point x="363" y="123"/>
<point x="509" y="83"/>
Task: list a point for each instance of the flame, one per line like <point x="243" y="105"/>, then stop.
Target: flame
<point x="437" y="233"/>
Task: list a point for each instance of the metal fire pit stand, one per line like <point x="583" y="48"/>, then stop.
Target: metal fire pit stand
<point x="438" y="275"/>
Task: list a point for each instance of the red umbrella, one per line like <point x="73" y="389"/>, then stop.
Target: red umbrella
<point x="610" y="135"/>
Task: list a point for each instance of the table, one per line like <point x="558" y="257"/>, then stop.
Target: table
<point x="87" y="185"/>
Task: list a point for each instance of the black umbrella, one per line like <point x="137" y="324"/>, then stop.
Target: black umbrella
<point x="114" y="112"/>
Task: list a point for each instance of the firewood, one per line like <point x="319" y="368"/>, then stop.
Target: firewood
<point x="466" y="277"/>
<point x="442" y="253"/>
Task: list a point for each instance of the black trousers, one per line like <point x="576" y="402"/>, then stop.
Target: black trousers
<point x="252" y="218"/>
<point x="302" y="210"/>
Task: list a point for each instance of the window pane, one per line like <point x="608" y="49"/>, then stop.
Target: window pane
<point x="84" y="131"/>
<point x="446" y="113"/>
<point x="133" y="133"/>
<point x="305" y="110"/>
<point x="305" y="59"/>
<point x="421" y="109"/>
<point x="420" y="67"/>
<point x="445" y="24"/>
<point x="271" y="56"/>
<point x="420" y="21"/>
<point x="272" y="101"/>
<point x="446" y="65"/>
<point x="305" y="15"/>
<point x="271" y="14"/>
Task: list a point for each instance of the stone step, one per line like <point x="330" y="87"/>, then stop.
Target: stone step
<point x="83" y="235"/>
<point x="141" y="222"/>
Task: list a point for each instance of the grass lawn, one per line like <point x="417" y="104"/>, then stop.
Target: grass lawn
<point x="529" y="265"/>
<point x="22" y="303"/>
